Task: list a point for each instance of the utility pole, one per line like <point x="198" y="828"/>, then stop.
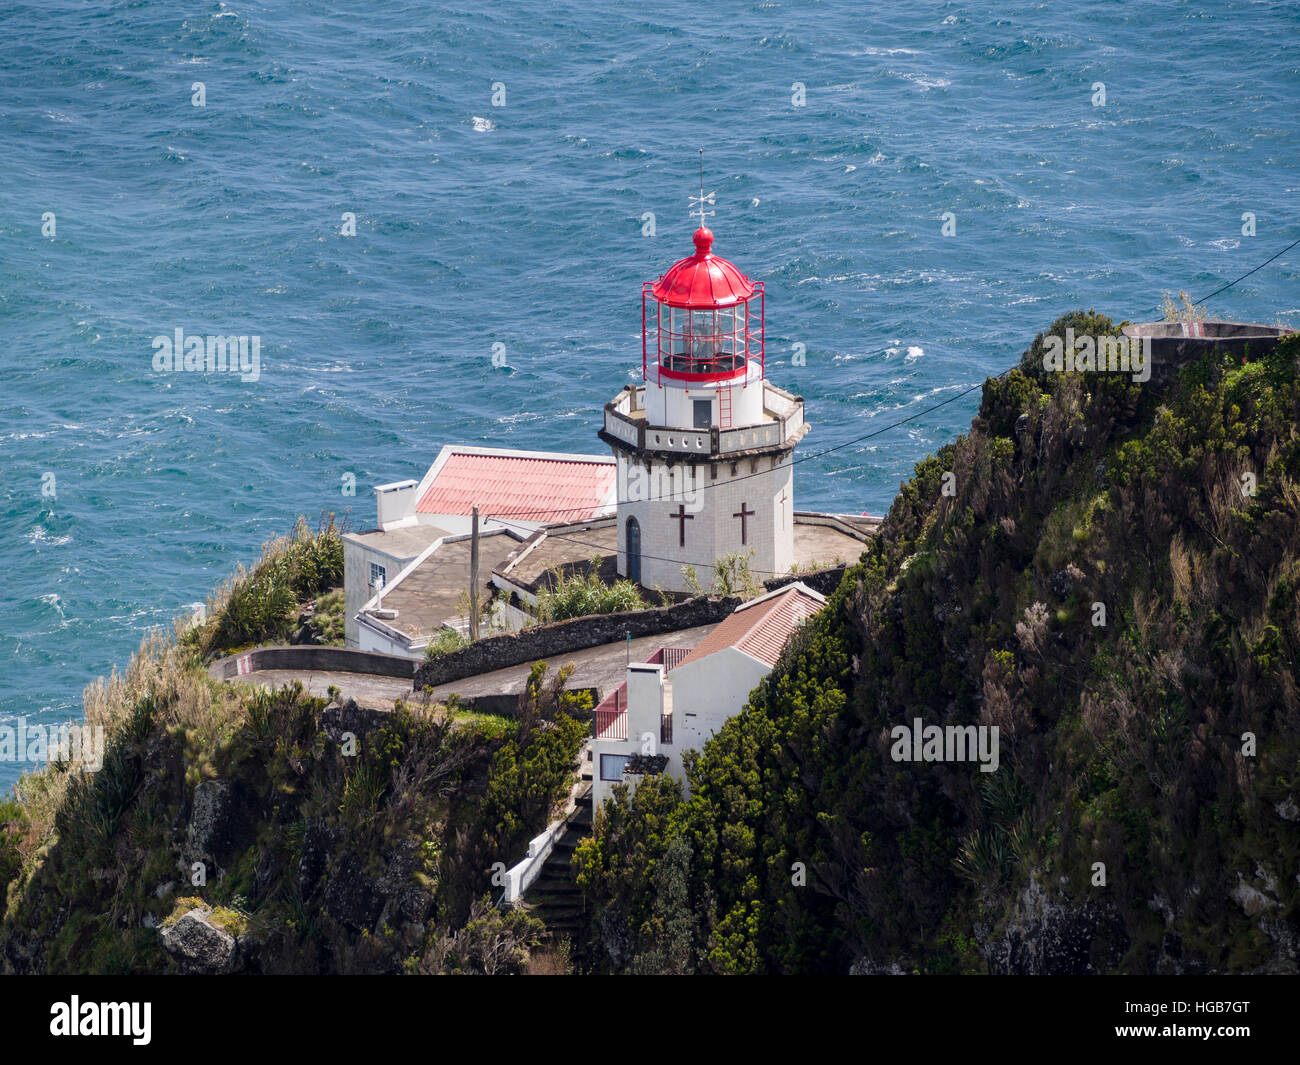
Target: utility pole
<point x="473" y="580"/>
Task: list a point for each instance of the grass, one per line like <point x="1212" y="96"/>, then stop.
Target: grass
<point x="329" y="617"/>
<point x="1185" y="309"/>
<point x="444" y="643"/>
<point x="260" y="604"/>
<point x="488" y="726"/>
<point x="578" y="595"/>
<point x="232" y="921"/>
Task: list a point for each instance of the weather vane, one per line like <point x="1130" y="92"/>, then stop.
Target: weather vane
<point x="698" y="202"/>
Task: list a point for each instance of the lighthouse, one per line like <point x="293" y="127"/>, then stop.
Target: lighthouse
<point x="704" y="445"/>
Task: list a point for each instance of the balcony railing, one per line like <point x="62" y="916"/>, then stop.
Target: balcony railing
<point x="611" y="715"/>
<point x="781" y="421"/>
<point x="702" y="361"/>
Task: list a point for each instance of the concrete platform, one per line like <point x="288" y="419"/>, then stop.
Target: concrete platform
<point x="602" y="668"/>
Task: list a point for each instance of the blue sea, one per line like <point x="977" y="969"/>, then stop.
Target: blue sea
<point x="836" y="137"/>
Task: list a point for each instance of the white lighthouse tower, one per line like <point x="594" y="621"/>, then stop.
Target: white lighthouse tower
<point x="704" y="445"/>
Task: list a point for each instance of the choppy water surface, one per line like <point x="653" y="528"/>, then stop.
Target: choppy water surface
<point x="522" y="225"/>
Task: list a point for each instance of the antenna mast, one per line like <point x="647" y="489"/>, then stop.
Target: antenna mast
<point x="698" y="202"/>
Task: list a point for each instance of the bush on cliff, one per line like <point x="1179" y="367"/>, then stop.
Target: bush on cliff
<point x="261" y="604"/>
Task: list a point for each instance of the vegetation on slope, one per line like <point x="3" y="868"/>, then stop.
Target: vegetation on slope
<point x="261" y="605"/>
<point x="575" y="595"/>
<point x="1144" y="816"/>
<point x="319" y="838"/>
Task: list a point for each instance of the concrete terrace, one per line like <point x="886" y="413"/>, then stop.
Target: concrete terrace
<point x="404" y="542"/>
<point x="568" y="548"/>
<point x="820" y="541"/>
<point x="431" y="594"/>
<point x="602" y="668"/>
<point x="824" y="540"/>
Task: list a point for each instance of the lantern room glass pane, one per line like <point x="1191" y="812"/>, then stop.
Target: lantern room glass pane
<point x="702" y="341"/>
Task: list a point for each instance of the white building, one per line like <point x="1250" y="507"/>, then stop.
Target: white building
<point x="678" y="699"/>
<point x="704" y="447"/>
<point x="517" y="492"/>
<point x="702" y="469"/>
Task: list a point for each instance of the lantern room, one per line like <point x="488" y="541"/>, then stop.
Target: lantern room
<point x="703" y="324"/>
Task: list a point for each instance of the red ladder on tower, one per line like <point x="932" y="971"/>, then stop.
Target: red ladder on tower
<point x="724" y="408"/>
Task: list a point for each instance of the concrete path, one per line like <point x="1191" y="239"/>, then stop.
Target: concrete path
<point x="603" y="668"/>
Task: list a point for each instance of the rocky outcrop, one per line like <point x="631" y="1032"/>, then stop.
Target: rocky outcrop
<point x="199" y="946"/>
<point x="223" y="820"/>
<point x="1051" y="934"/>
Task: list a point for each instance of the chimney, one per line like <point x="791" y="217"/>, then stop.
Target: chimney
<point x="645" y="703"/>
<point x="396" y="504"/>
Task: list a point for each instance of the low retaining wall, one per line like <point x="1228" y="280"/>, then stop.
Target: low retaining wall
<point x="823" y="582"/>
<point x="510" y="705"/>
<point x="1175" y="344"/>
<point x="308" y="658"/>
<point x="563" y="637"/>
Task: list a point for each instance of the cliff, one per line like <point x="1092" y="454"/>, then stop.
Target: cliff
<point x="232" y="829"/>
<point x="1108" y="572"/>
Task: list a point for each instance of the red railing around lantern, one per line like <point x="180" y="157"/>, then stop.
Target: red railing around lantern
<point x="710" y="344"/>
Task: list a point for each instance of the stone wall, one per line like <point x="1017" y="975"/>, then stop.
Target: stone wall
<point x="823" y="581"/>
<point x="307" y="657"/>
<point x="562" y="637"/>
<point x="1171" y="350"/>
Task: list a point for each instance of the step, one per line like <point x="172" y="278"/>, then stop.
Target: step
<point x="568" y="843"/>
<point x="559" y="914"/>
<point x="552" y="887"/>
<point x="558" y="878"/>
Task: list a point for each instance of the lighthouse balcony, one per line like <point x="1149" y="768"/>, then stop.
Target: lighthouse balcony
<point x="781" y="427"/>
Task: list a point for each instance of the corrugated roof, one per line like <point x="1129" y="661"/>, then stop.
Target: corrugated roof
<point x="762" y="627"/>
<point x="526" y="487"/>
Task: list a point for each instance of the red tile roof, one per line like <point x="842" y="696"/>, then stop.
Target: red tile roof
<point x="762" y="628"/>
<point x="527" y="487"/>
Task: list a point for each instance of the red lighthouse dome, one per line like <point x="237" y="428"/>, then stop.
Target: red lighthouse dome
<point x="703" y="279"/>
<point x="703" y="320"/>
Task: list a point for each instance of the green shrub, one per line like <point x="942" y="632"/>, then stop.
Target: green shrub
<point x="577" y="595"/>
<point x="329" y="617"/>
<point x="13" y="823"/>
<point x="261" y="604"/>
<point x="444" y="642"/>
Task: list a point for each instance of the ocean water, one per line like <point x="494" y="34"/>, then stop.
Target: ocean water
<point x="523" y="225"/>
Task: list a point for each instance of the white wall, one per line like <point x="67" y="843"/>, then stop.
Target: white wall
<point x="709" y="691"/>
<point x="713" y="531"/>
<point x="463" y="524"/>
<point x="702" y="696"/>
<point x="370" y="640"/>
<point x="394" y="503"/>
<point x="356" y="582"/>
<point x="670" y="403"/>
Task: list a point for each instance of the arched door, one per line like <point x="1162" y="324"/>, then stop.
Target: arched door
<point x="634" y="550"/>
